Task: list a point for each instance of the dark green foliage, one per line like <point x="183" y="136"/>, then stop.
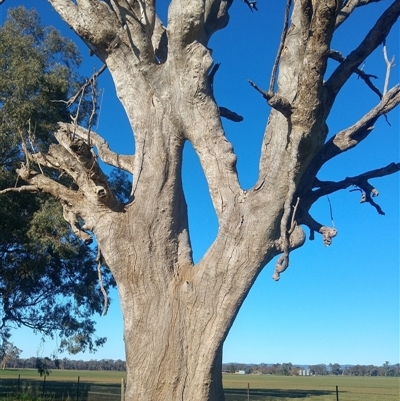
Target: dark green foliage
<point x="48" y="277"/>
<point x="120" y="184"/>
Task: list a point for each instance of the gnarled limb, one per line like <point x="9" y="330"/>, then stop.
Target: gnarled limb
<point x="296" y="238"/>
<point x="361" y="181"/>
<point x="124" y="162"/>
<point x="323" y="188"/>
<point x="45" y="184"/>
<point x="72" y="219"/>
<point x="215" y="16"/>
<point x="374" y="38"/>
<point x="352" y="136"/>
<point x="106" y="28"/>
<point x="348" y="8"/>
<point x="275" y="100"/>
<point x="25" y="188"/>
<point x="335" y="55"/>
<point x="87" y="173"/>
<point x="230" y="115"/>
<point x="327" y="232"/>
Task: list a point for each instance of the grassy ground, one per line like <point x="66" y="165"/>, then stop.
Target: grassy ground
<point x="310" y="388"/>
<point x="105" y="386"/>
<point x="61" y="385"/>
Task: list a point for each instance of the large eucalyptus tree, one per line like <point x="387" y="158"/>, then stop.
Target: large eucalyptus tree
<point x="177" y="313"/>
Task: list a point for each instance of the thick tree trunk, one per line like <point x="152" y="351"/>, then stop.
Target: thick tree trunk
<point x="177" y="320"/>
<point x="177" y="314"/>
<point x="173" y="352"/>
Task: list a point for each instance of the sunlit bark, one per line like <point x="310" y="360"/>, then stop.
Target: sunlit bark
<point x="177" y="313"/>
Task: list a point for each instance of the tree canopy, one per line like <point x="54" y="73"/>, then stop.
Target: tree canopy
<point x="48" y="277"/>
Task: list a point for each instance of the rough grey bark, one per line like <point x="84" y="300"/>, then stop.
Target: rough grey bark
<point x="177" y="313"/>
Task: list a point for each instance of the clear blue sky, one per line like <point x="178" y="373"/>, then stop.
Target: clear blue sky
<point x="337" y="304"/>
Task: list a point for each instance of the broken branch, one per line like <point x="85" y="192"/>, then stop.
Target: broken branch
<point x="337" y="56"/>
<point x="276" y="101"/>
<point x="124" y="162"/>
<point x="281" y="45"/>
<point x="389" y="66"/>
<point x="230" y="115"/>
<point x="348" y="8"/>
<point x="360" y="181"/>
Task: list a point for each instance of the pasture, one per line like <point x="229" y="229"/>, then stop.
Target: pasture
<point x="310" y="388"/>
<point x="105" y="386"/>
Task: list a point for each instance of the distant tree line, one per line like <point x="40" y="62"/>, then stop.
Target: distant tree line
<point x="370" y="370"/>
<point x="48" y="364"/>
<point x="288" y="369"/>
<point x="282" y="369"/>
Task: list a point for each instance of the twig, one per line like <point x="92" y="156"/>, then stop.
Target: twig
<point x="281" y="45"/>
<point x="104" y="292"/>
<point x="25" y="149"/>
<point x="389" y="66"/>
<point x="74" y="98"/>
<point x="360" y="181"/>
<point x="293" y="222"/>
<point x="212" y="74"/>
<point x="94" y="107"/>
<point x="31" y="142"/>
<point x="331" y="213"/>
<point x="283" y="262"/>
<point x="276" y="101"/>
<point x="25" y="188"/>
<point x="337" y="56"/>
<point x="80" y="95"/>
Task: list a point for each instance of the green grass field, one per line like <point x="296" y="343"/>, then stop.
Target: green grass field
<point x="105" y="386"/>
<point x="310" y="388"/>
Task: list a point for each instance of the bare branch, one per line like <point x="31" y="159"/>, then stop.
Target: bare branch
<point x="335" y="55"/>
<point x="124" y="162"/>
<point x="276" y="101"/>
<point x="71" y="218"/>
<point x="349" y="7"/>
<point x="360" y="181"/>
<point x="43" y="184"/>
<point x="24" y="188"/>
<point x="83" y="88"/>
<point x="211" y="75"/>
<point x="281" y="45"/>
<point x="293" y="238"/>
<point x="215" y="16"/>
<point x="389" y="66"/>
<point x="230" y="115"/>
<point x="103" y="291"/>
<point x="373" y="39"/>
<point x="352" y="136"/>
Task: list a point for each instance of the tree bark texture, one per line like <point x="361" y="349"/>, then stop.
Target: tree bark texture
<point x="177" y="313"/>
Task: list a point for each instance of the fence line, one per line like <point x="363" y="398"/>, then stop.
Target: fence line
<point x="62" y="389"/>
